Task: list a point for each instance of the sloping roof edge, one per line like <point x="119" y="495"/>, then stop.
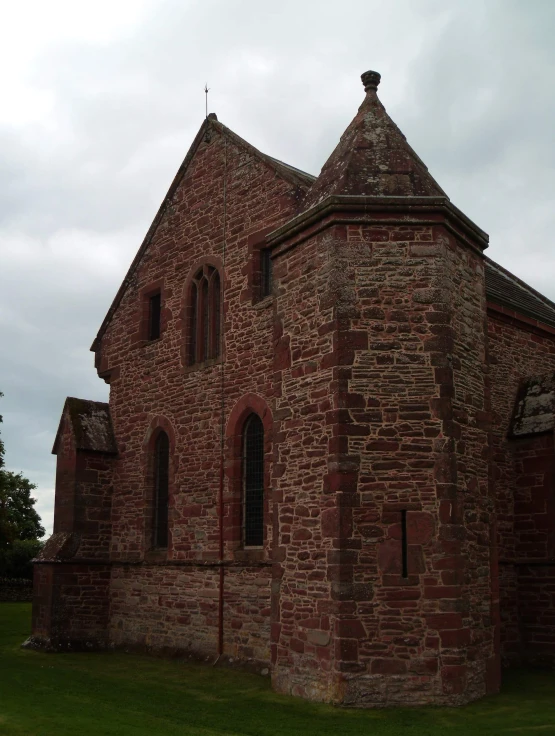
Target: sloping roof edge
<point x="289" y="173"/>
<point x="91" y="424"/>
<point x="526" y="306"/>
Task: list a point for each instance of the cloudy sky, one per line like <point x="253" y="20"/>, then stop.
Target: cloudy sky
<point x="101" y="100"/>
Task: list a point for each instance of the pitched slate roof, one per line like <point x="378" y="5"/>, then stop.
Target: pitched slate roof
<point x="373" y="158"/>
<point x="506" y="290"/>
<point x="91" y="424"/>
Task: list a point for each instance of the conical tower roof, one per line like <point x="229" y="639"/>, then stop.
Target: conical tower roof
<point x="373" y="158"/>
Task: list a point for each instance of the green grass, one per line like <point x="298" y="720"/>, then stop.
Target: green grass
<point x="116" y="693"/>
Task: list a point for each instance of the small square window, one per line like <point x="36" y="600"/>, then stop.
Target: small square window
<point x="154" y="312"/>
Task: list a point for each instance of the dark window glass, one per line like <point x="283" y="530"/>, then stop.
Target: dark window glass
<point x="193" y="325"/>
<point x="154" y="309"/>
<point x="205" y="320"/>
<point x="161" y="483"/>
<point x="265" y="273"/>
<point x="216" y="310"/>
<point x="253" y="474"/>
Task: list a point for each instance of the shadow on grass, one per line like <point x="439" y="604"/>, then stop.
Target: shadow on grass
<point x="115" y="693"/>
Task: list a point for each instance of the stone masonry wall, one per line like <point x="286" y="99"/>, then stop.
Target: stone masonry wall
<point x="16" y="590"/>
<point x="469" y="658"/>
<point x="66" y="462"/>
<point x="416" y="422"/>
<point x="70" y="606"/>
<point x="175" y="608"/>
<point x="304" y="503"/>
<point x="525" y="494"/>
<point x="71" y="577"/>
<point x="226" y="193"/>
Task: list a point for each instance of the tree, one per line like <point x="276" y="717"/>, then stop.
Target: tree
<point x="20" y="525"/>
<point x="1" y="443"/>
<point x="18" y="518"/>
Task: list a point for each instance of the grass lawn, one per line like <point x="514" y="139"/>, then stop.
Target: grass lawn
<point x="115" y="693"/>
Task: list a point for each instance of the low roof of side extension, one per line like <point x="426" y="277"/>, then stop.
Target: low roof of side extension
<point x="91" y="424"/>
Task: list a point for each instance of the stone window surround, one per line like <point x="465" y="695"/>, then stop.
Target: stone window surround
<point x="256" y="243"/>
<point x="157" y="425"/>
<point x="216" y="263"/>
<point x="246" y="406"/>
<point x="145" y="294"/>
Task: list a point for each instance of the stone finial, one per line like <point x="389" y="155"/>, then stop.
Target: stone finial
<point x="370" y="80"/>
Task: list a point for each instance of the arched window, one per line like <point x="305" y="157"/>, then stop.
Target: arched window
<point x="253" y="482"/>
<point x="161" y="481"/>
<point x="204" y="315"/>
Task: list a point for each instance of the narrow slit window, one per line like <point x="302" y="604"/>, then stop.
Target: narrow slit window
<point x="265" y="273"/>
<point x="404" y="544"/>
<point x="154" y="313"/>
<point x="253" y="480"/>
<point x="161" y="490"/>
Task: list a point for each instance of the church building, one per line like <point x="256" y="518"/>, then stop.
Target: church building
<point x="328" y="451"/>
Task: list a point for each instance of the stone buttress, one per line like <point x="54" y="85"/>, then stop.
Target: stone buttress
<point x="72" y="572"/>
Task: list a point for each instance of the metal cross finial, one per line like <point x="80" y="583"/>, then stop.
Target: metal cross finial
<point x="206" y="90"/>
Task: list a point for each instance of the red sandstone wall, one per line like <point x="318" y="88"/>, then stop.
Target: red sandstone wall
<point x="534" y="498"/>
<point x="172" y="604"/>
<point x="523" y="476"/>
<point x="304" y="506"/>
<point x="422" y="299"/>
<point x="176" y="608"/>
<point x="70" y="606"/>
<point x="400" y="300"/>
<point x="405" y="423"/>
<point x="412" y="437"/>
<point x="93" y="503"/>
<point x="66" y="463"/>
<point x="83" y="495"/>
<point x="468" y="560"/>
<point x="70" y="600"/>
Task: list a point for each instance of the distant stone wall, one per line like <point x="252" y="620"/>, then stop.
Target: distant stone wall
<point x="16" y="590"/>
